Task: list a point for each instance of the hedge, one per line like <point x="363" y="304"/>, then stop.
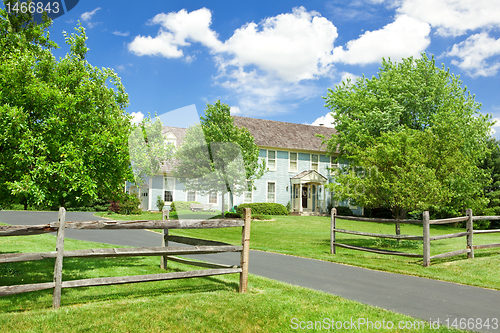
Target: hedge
<point x="263" y="208"/>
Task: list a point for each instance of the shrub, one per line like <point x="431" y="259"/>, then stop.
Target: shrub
<point x="129" y="205"/>
<point x="182" y="205"/>
<point x="289" y="206"/>
<point x="265" y="208"/>
<point x="159" y="203"/>
<point x="114" y="207"/>
<point x="344" y="211"/>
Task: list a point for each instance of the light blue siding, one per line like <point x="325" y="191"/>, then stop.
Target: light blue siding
<point x="281" y="177"/>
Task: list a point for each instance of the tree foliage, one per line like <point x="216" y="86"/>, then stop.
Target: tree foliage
<point x="216" y="155"/>
<point x="491" y="164"/>
<point x="63" y="129"/>
<point x="148" y="149"/>
<point x="420" y="128"/>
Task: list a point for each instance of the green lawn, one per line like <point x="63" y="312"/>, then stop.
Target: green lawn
<point x="309" y="236"/>
<point x="209" y="304"/>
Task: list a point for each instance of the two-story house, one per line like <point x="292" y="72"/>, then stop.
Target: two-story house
<point x="298" y="169"/>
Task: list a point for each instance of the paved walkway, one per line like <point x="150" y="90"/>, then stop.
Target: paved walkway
<point x="418" y="297"/>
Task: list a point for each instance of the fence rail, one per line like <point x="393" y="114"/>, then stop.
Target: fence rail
<point x="426" y="238"/>
<point x="198" y="246"/>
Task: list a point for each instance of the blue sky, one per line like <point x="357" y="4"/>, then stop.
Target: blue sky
<point x="276" y="59"/>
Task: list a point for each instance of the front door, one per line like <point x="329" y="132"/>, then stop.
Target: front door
<point x="304" y="196"/>
<point x="144" y="198"/>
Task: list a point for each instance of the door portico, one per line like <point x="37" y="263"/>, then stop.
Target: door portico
<point x="308" y="191"/>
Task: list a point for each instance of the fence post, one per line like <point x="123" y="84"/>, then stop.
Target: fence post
<point x="56" y="298"/>
<point x="245" y="242"/>
<point x="333" y="223"/>
<point x="470" y="233"/>
<point x="427" y="241"/>
<point x="164" y="239"/>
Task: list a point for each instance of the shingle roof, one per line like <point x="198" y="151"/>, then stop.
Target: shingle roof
<point x="268" y="133"/>
<point x="278" y="134"/>
<point x="179" y="132"/>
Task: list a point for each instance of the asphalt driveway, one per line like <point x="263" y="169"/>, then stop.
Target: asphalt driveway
<point x="429" y="300"/>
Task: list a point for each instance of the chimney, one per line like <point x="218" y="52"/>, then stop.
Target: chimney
<point x="322" y="125"/>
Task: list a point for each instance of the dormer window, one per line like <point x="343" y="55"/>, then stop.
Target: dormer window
<point x="170" y="138"/>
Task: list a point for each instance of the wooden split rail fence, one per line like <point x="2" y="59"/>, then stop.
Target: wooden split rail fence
<point x="426" y="238"/>
<point x="199" y="246"/>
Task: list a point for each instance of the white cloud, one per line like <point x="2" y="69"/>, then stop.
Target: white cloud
<point x="161" y="45"/>
<point x="473" y="53"/>
<point x="137" y="117"/>
<point x="326" y="120"/>
<point x="293" y="46"/>
<point x="344" y="76"/>
<point x="261" y="94"/>
<point x="119" y="33"/>
<point x="402" y="38"/>
<point x="87" y="16"/>
<point x="177" y="29"/>
<point x="235" y="110"/>
<point x="496" y="126"/>
<point x="453" y="17"/>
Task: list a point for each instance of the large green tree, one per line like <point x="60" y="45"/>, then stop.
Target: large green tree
<point x="217" y="155"/>
<point x="63" y="126"/>
<point x="492" y="165"/>
<point x="377" y="121"/>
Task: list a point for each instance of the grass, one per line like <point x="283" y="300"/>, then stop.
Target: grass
<point x="210" y="304"/>
<point x="309" y="236"/>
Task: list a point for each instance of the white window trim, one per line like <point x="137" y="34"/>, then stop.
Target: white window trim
<point x="163" y="191"/>
<point x="311" y="161"/>
<point x="251" y="196"/>
<point x="150" y="193"/>
<point x="290" y="162"/>
<point x="195" y="195"/>
<point x="275" y="159"/>
<point x="216" y="197"/>
<point x="267" y="190"/>
<point x="171" y="138"/>
<point x="333" y="166"/>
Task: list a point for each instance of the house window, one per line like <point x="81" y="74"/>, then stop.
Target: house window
<point x="212" y="198"/>
<point x="271" y="192"/>
<point x="314" y="162"/>
<point x="247" y="194"/>
<point x="271" y="160"/>
<point x="169" y="189"/>
<point x="191" y="196"/>
<point x="171" y="139"/>
<point x="293" y="157"/>
<point x="334" y="166"/>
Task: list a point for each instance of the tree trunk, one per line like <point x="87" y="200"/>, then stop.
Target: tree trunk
<point x="398" y="214"/>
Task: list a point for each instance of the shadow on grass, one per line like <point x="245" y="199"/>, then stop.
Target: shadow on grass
<point x="75" y="269"/>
